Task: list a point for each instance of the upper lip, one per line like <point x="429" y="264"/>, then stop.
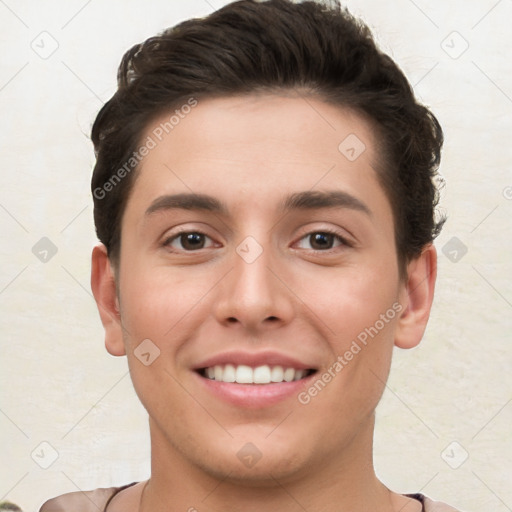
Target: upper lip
<point x="254" y="359"/>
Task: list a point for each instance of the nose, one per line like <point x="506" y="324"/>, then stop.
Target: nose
<point x="254" y="295"/>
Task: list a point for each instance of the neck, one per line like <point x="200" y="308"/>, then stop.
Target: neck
<point x="343" y="480"/>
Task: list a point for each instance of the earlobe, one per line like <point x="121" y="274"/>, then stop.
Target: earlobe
<point x="103" y="286"/>
<point x="417" y="297"/>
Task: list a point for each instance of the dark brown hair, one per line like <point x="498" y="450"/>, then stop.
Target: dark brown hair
<point x="275" y="45"/>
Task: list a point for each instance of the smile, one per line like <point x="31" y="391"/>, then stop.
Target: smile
<point x="244" y="374"/>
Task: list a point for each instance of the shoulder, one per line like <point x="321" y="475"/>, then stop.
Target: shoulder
<point x="430" y="505"/>
<point x="85" y="501"/>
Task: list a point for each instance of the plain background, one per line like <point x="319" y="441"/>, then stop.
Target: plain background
<point x="449" y="399"/>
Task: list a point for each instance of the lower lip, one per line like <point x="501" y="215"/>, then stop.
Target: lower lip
<point x="254" y="395"/>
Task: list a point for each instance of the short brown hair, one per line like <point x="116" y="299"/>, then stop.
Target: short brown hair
<point x="275" y="45"/>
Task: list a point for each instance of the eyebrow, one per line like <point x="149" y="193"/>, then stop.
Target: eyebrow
<point x="308" y="200"/>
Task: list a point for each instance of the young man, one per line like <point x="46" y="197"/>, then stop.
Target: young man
<point x="263" y="194"/>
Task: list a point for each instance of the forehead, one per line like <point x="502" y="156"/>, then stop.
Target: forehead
<point x="266" y="128"/>
<point x="251" y="151"/>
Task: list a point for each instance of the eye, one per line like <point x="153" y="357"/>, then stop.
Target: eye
<point x="188" y="241"/>
<point x="322" y="241"/>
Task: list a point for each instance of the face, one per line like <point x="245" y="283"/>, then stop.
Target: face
<point x="258" y="247"/>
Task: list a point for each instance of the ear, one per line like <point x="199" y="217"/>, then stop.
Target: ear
<point x="103" y="286"/>
<point x="416" y="298"/>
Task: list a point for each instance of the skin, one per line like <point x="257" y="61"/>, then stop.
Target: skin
<point x="250" y="152"/>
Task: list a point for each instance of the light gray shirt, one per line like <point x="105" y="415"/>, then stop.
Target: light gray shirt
<point x="98" y="500"/>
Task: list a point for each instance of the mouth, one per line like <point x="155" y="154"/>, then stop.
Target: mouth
<point x="262" y="375"/>
<point x="254" y="380"/>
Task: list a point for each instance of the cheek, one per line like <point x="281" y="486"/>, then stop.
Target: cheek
<point x="360" y="308"/>
<point x="353" y="302"/>
<point x="158" y="302"/>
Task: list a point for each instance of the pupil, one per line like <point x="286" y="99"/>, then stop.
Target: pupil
<point x="192" y="240"/>
<point x="322" y="239"/>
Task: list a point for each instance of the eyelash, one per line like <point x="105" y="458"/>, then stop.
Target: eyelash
<point x="336" y="235"/>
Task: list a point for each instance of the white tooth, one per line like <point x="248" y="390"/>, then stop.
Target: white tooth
<point x="218" y="372"/>
<point x="262" y="374"/>
<point x="289" y="373"/>
<point x="229" y="373"/>
<point x="244" y="374"/>
<point x="276" y="374"/>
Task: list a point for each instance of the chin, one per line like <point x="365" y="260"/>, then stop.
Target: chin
<point x="256" y="463"/>
<point x="265" y="474"/>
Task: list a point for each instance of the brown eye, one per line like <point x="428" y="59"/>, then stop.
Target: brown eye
<point x="321" y="241"/>
<point x="188" y="241"/>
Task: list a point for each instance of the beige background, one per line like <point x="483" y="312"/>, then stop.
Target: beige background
<point x="58" y="384"/>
